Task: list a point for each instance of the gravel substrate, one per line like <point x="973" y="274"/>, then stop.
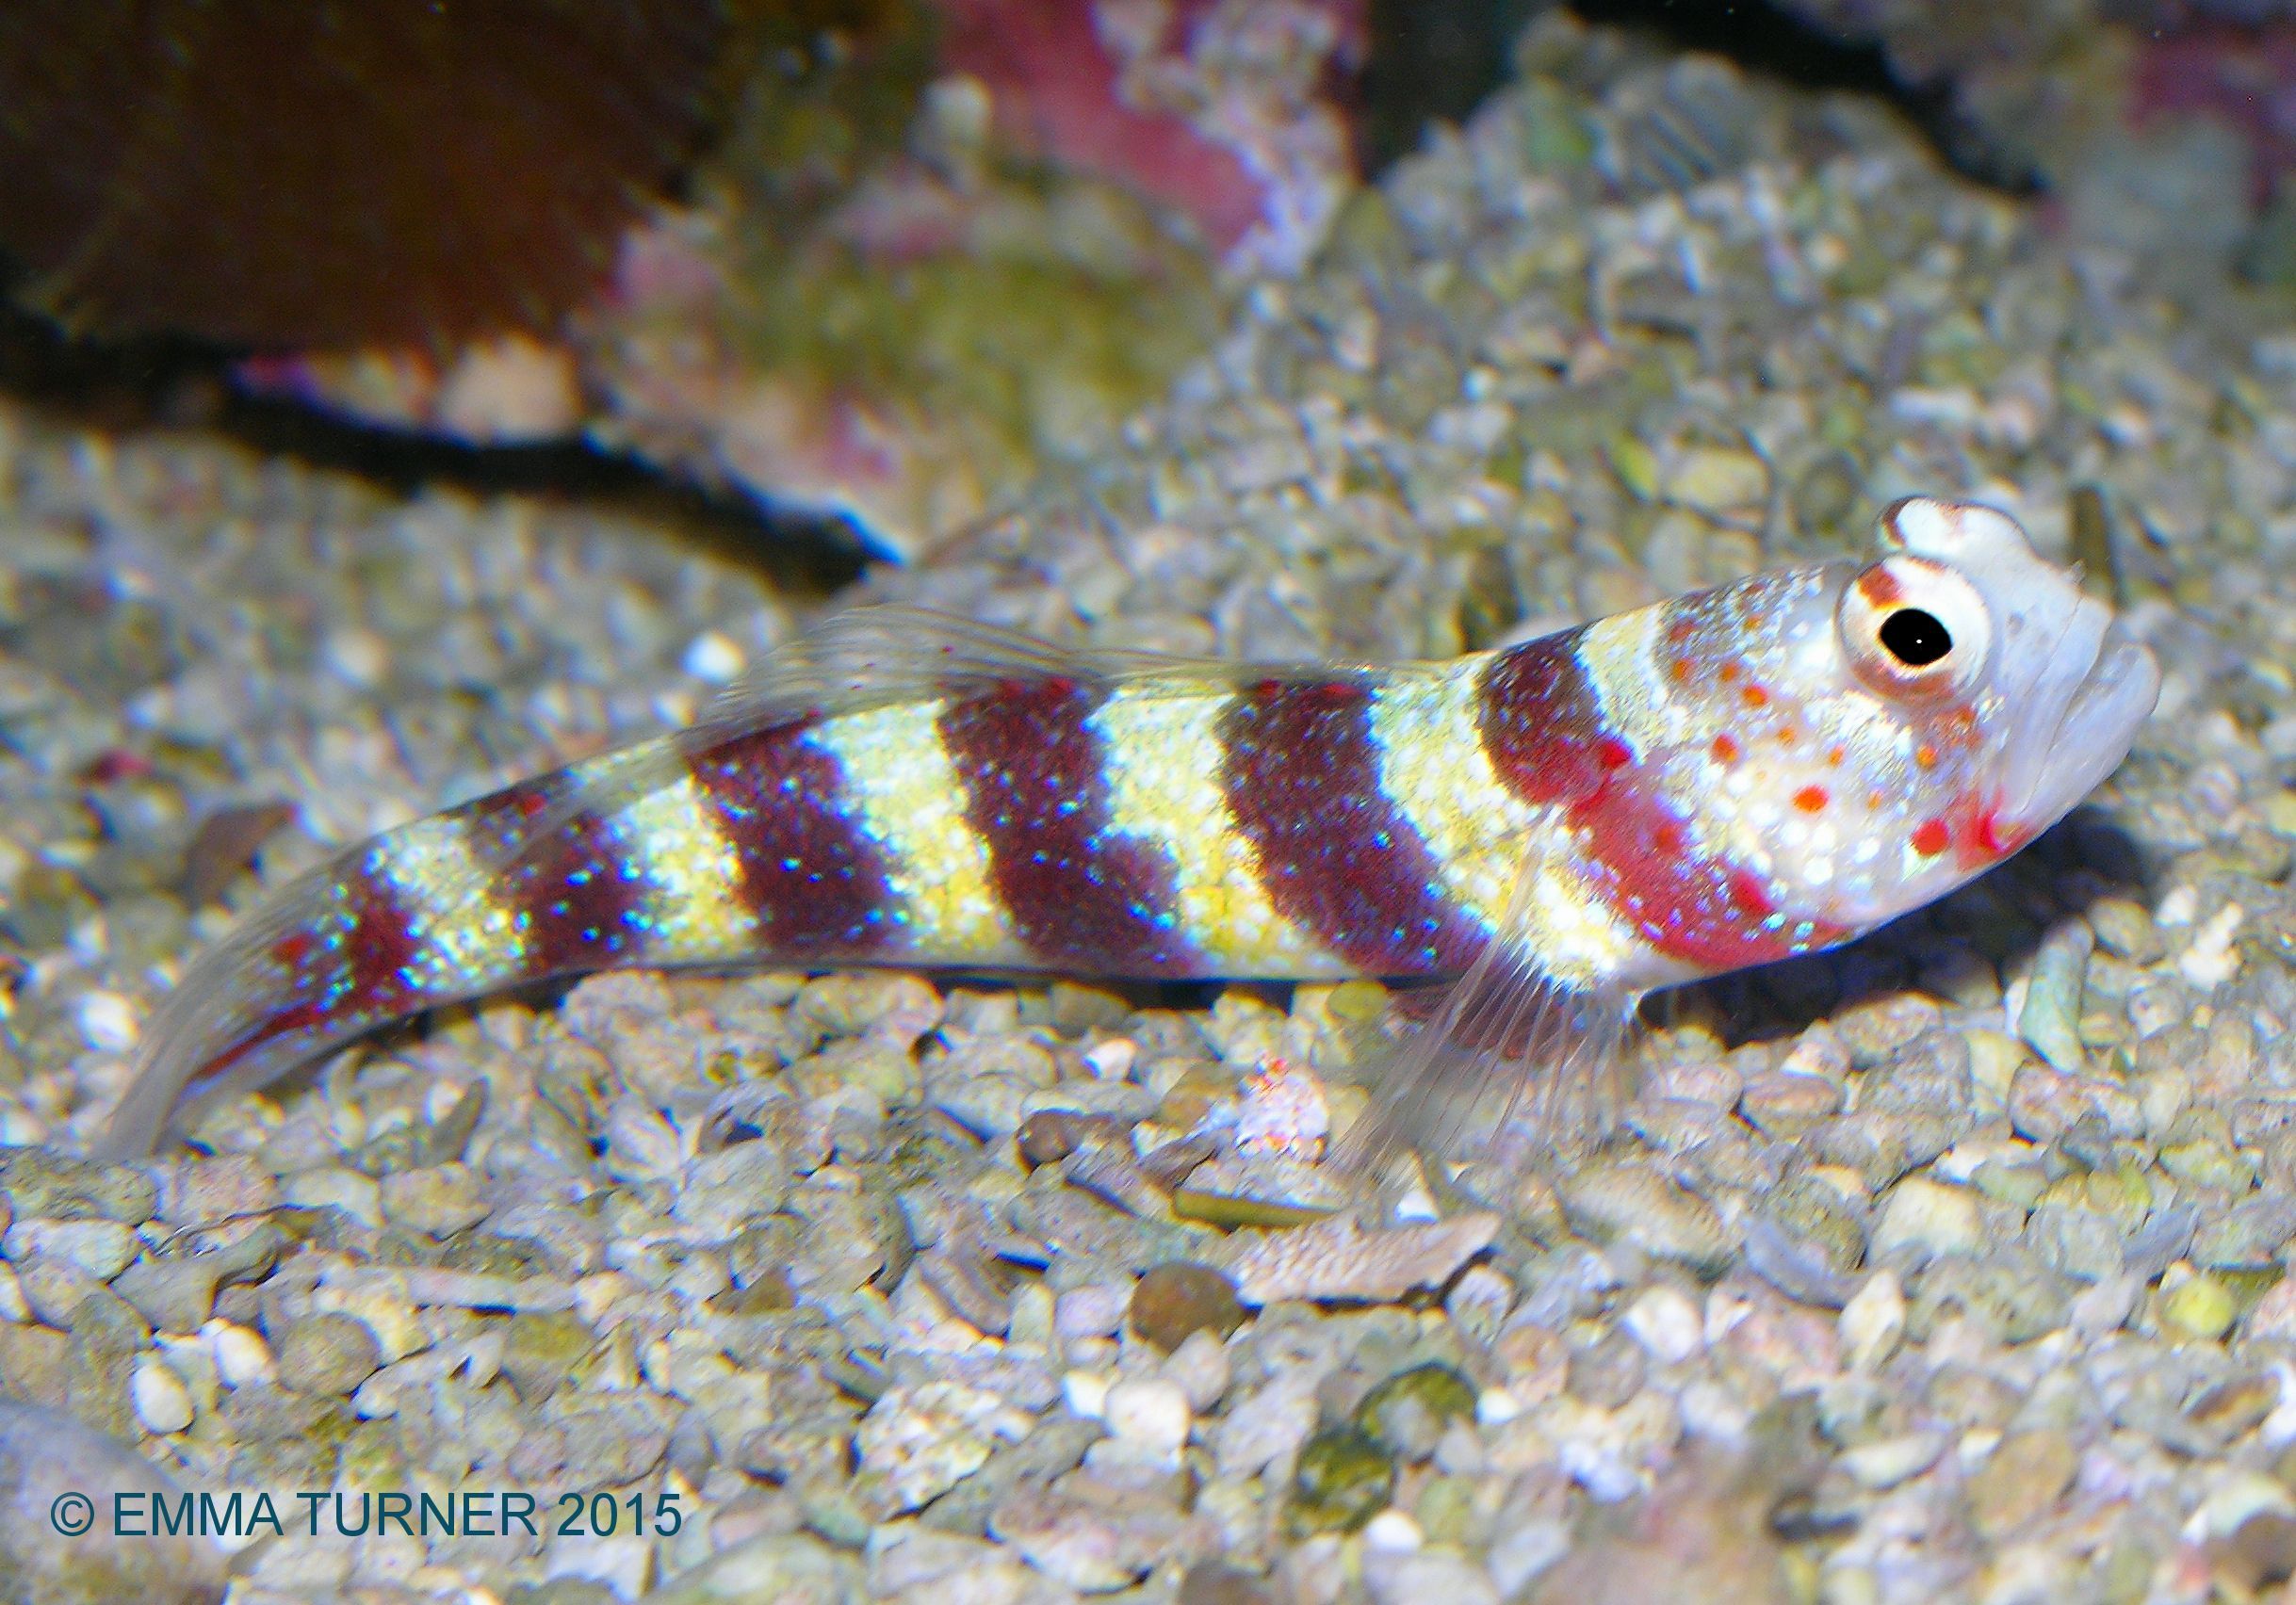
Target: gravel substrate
<point x="1948" y="1266"/>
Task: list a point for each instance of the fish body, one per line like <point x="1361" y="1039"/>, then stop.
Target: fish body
<point x="1718" y="781"/>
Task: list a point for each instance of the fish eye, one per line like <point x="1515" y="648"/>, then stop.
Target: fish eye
<point x="1914" y="629"/>
<point x="1916" y="638"/>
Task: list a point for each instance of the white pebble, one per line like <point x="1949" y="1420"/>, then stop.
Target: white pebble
<point x="2241" y="1496"/>
<point x="1495" y="1407"/>
<point x="624" y="1565"/>
<point x="1085" y="1393"/>
<point x="1150" y="1414"/>
<point x="163" y="1404"/>
<point x="101" y="1248"/>
<point x="1111" y="1061"/>
<point x="1095" y="1310"/>
<point x="242" y="1358"/>
<point x="331" y="1186"/>
<point x="1712" y="1412"/>
<point x="12" y="1307"/>
<point x="714" y="657"/>
<point x="2212" y="960"/>
<point x="1199" y="1368"/>
<point x="361" y="657"/>
<point x="1872" y="1322"/>
<point x="107" y="1022"/>
<point x="1890" y="1461"/>
<point x="1668" y="1325"/>
<point x="2179" y="907"/>
<point x="1394" y="1531"/>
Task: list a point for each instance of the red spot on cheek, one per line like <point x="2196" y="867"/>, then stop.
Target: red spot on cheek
<point x="1726" y="749"/>
<point x="1812" y="799"/>
<point x="1748" y="895"/>
<point x="1612" y="753"/>
<point x="1986" y="835"/>
<point x="1931" y="837"/>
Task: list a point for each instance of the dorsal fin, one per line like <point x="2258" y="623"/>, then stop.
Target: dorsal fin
<point x="889" y="652"/>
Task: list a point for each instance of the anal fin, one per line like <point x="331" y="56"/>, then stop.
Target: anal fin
<point x="1508" y="1043"/>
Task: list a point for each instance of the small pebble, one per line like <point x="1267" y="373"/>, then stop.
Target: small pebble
<point x="441" y="1200"/>
<point x="1890" y="1461"/>
<point x="1872" y="1322"/>
<point x="2211" y="960"/>
<point x="1174" y="1299"/>
<point x="331" y="1187"/>
<point x="44" y="1449"/>
<point x="2022" y="1478"/>
<point x="1408" y="1412"/>
<point x="107" y="1022"/>
<point x="1344" y="1478"/>
<point x="713" y="658"/>
<point x="1928" y="1218"/>
<point x="242" y="1358"/>
<point x="175" y="1295"/>
<point x="328" y="1354"/>
<point x="1150" y="1415"/>
<point x="161" y="1401"/>
<point x="2200" y="1307"/>
<point x="1394" y="1531"/>
<point x="101" y="1248"/>
<point x="1200" y="1368"/>
<point x="1667" y="1324"/>
<point x="2050" y="1019"/>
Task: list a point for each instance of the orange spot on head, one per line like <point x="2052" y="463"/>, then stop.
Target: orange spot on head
<point x="1812" y="799"/>
<point x="1756" y="696"/>
<point x="1726" y="749"/>
<point x="1680" y="668"/>
<point x="1834" y="755"/>
<point x="1728" y="672"/>
<point x="1929" y="837"/>
<point x="1788" y="735"/>
<point x="1880" y="587"/>
<point x="1925" y="756"/>
<point x="294" y="947"/>
<point x="1873" y="802"/>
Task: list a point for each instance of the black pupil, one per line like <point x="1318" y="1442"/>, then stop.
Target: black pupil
<point x="1915" y="638"/>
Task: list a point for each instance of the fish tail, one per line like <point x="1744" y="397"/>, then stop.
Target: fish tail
<point x="604" y="864"/>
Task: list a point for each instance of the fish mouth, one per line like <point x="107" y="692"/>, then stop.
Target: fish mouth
<point x="2072" y="720"/>
<point x="2069" y="684"/>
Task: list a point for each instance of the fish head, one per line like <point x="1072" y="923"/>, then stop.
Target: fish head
<point x="1935" y="710"/>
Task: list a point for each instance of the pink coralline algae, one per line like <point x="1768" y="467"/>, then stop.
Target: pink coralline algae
<point x="1214" y="107"/>
<point x="902" y="324"/>
<point x="2241" y="76"/>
